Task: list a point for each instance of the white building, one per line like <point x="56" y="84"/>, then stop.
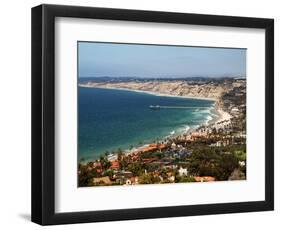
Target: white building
<point x="182" y="172"/>
<point x="242" y="163"/>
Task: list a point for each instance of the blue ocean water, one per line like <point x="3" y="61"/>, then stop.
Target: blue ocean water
<point x="110" y="119"/>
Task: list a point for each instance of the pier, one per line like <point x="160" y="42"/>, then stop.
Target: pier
<point x="176" y="107"/>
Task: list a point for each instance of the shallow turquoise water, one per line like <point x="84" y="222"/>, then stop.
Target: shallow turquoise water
<point x="110" y="119"/>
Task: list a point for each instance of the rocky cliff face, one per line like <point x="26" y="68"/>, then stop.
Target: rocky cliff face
<point x="178" y="88"/>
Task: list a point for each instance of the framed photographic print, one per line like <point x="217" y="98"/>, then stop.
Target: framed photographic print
<point x="142" y="114"/>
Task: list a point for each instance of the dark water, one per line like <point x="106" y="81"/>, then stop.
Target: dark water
<point x="111" y="119"/>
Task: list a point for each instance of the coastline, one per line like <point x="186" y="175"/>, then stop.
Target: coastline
<point x="149" y="92"/>
<point x="222" y="116"/>
<point x="218" y="115"/>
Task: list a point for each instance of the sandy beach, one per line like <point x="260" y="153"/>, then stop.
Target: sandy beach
<point x="223" y="116"/>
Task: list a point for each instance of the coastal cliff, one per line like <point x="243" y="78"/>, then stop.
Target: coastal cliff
<point x="209" y="90"/>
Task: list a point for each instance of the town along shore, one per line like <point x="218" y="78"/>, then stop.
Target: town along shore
<point x="212" y="152"/>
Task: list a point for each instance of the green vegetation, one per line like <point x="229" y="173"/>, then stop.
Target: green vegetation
<point x="213" y="162"/>
<point x="185" y="179"/>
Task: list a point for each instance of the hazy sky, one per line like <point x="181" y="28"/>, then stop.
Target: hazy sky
<point x="116" y="60"/>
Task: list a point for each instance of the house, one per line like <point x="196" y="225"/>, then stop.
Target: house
<point x="242" y="163"/>
<point x="99" y="170"/>
<point x="128" y="182"/>
<point x="171" y="179"/>
<point x="121" y="177"/>
<point x="173" y="145"/>
<point x="182" y="171"/>
<point x="153" y="147"/>
<point x="114" y="165"/>
<point x="235" y="110"/>
<point x="219" y="143"/>
<point x="96" y="164"/>
<point x="102" y="180"/>
<point x="132" y="181"/>
<point x="170" y="166"/>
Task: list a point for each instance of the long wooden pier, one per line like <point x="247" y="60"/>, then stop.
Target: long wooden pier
<point x="176" y="107"/>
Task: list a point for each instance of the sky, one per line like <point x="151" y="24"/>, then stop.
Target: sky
<point x="125" y="60"/>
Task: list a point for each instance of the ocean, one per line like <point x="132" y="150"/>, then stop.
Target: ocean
<point x="110" y="119"/>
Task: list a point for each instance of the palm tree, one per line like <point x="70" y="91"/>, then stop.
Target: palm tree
<point x="105" y="164"/>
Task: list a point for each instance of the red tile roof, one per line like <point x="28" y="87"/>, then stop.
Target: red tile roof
<point x="114" y="164"/>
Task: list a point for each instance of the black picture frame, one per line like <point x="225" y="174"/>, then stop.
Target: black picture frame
<point x="43" y="114"/>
